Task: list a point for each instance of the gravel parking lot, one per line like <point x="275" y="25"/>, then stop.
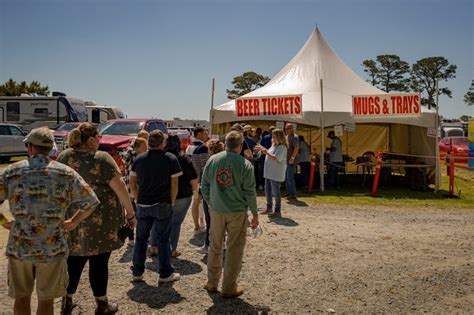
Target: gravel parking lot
<point x="318" y="258"/>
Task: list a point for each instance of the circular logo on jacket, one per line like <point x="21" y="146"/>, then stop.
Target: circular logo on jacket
<point x="224" y="176"/>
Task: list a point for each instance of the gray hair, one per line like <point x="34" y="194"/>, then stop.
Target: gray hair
<point x="233" y="140"/>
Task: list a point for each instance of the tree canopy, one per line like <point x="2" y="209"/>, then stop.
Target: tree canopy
<point x="469" y="96"/>
<point x="246" y="83"/>
<point x="424" y="74"/>
<point x="388" y="73"/>
<point x="12" y="88"/>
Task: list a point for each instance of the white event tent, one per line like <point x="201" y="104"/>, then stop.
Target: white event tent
<point x="317" y="61"/>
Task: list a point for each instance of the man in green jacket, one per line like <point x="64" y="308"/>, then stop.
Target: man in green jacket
<point x="228" y="186"/>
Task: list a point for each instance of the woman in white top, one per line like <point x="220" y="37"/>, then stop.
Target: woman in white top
<point x="274" y="170"/>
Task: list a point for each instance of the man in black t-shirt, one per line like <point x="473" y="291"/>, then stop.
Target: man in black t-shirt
<point x="154" y="184"/>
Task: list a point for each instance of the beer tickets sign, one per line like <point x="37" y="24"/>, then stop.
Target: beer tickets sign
<point x="282" y="105"/>
<point x="405" y="105"/>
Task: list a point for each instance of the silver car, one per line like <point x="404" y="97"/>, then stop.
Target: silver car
<point x="11" y="142"/>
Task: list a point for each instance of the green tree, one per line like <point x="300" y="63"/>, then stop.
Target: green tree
<point x="424" y="74"/>
<point x="388" y="72"/>
<point x="469" y="96"/>
<point x="465" y="117"/>
<point x="246" y="83"/>
<point x="370" y="67"/>
<point x="12" y="88"/>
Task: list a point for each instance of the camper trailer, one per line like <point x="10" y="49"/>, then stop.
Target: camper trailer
<point x="102" y="113"/>
<point x="36" y="111"/>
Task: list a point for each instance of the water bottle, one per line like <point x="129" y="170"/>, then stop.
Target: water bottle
<point x="254" y="233"/>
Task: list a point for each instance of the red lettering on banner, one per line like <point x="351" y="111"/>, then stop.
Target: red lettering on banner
<point x="285" y="101"/>
<point x="393" y="98"/>
<point x="371" y="105"/>
<point x="386" y="105"/>
<point x="297" y="105"/>
<point x="364" y="106"/>
<point x="377" y="105"/>
<point x="264" y="101"/>
<point x="399" y="105"/>
<point x="240" y="111"/>
<point x="416" y="104"/>
<point x="274" y="106"/>
<point x="256" y="107"/>
<point x="281" y="111"/>
<point x="356" y="105"/>
<point x="406" y="105"/>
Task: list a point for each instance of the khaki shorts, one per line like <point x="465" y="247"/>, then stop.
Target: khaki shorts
<point x="51" y="278"/>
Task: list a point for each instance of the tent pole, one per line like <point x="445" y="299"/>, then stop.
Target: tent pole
<point x="321" y="157"/>
<point x="437" y="167"/>
<point x="211" y="114"/>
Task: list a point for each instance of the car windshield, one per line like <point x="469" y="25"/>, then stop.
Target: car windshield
<point x="129" y="128"/>
<point x="461" y="142"/>
<point x="67" y="127"/>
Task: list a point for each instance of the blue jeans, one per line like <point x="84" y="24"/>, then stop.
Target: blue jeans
<point x="290" y="180"/>
<point x="273" y="188"/>
<point x="159" y="217"/>
<point x="180" y="209"/>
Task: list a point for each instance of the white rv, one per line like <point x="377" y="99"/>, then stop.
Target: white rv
<point x="36" y="111"/>
<point x="102" y="113"/>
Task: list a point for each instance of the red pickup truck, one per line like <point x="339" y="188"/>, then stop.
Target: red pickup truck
<point x="117" y="134"/>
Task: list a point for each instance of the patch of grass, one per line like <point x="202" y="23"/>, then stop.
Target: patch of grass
<point x="402" y="196"/>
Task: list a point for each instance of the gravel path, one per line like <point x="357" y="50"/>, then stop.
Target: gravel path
<point x="319" y="258"/>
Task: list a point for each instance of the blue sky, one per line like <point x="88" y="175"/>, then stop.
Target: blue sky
<point x="157" y="58"/>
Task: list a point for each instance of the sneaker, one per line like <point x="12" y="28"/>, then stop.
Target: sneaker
<point x="172" y="277"/>
<point x="291" y="198"/>
<point x="236" y="293"/>
<point x="268" y="211"/>
<point x="203" y="249"/>
<point x="175" y="254"/>
<point x="275" y="215"/>
<point x="137" y="278"/>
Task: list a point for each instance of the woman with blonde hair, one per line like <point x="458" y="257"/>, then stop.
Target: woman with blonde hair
<point x="96" y="237"/>
<point x="274" y="170"/>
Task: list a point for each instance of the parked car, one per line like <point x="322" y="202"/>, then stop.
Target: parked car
<point x="60" y="134"/>
<point x="11" y="142"/>
<point x="459" y="146"/>
<point x="183" y="135"/>
<point x="117" y="134"/>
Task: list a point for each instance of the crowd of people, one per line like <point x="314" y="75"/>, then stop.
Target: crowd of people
<point x="79" y="209"/>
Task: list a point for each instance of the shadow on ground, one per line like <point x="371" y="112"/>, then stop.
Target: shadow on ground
<point x="234" y="306"/>
<point x="153" y="296"/>
<point x="283" y="221"/>
<point x="127" y="255"/>
<point x="184" y="267"/>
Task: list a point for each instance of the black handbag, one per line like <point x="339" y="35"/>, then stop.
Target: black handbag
<point x="124" y="232"/>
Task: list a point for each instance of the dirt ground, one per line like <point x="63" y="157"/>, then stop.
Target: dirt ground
<point x="317" y="259"/>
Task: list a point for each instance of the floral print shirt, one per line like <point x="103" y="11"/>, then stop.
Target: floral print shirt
<point x="98" y="233"/>
<point x="40" y="192"/>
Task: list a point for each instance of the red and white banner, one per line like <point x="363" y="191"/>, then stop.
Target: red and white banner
<point x="282" y="105"/>
<point x="406" y="105"/>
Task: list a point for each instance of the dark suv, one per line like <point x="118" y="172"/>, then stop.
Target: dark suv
<point x="117" y="134"/>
